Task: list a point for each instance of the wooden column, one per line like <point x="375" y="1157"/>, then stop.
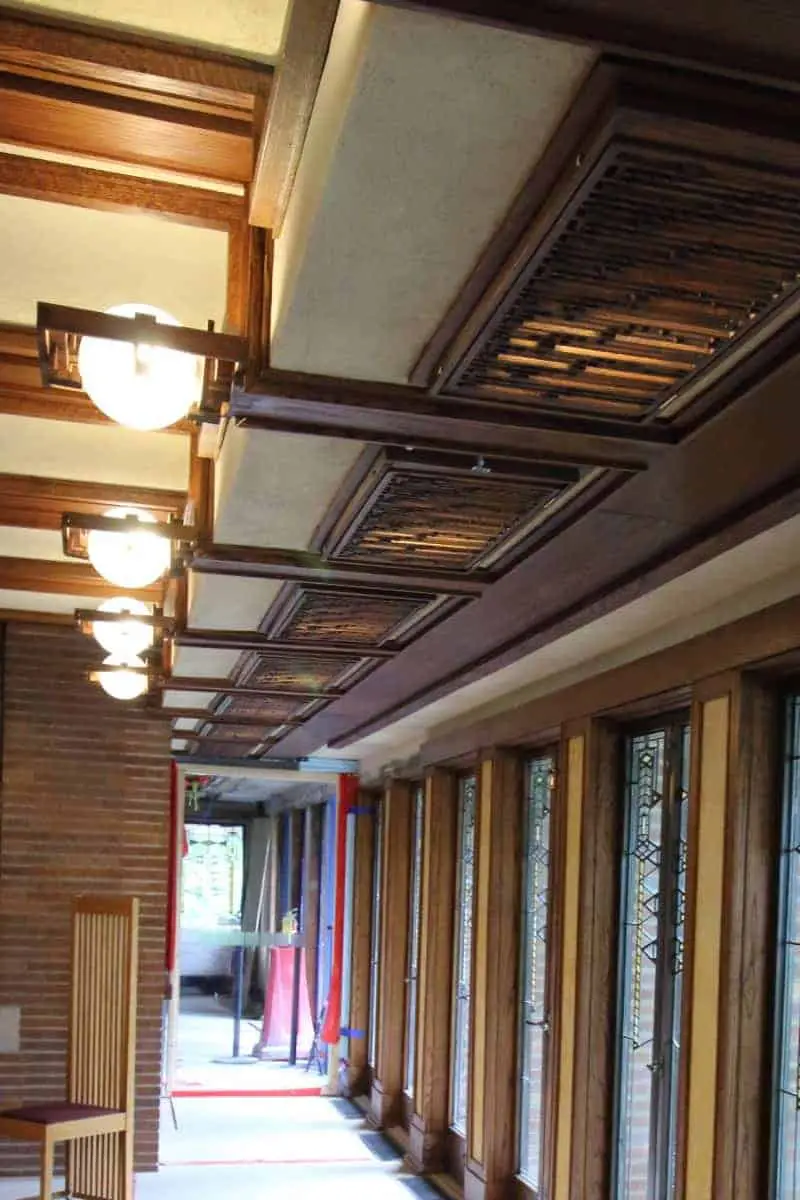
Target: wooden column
<point x="387" y="1085"/>
<point x="596" y="995"/>
<point x="429" y="1124"/>
<point x="491" y="1127"/>
<point x="358" y="1068"/>
<point x="566" y="932"/>
<point x="732" y="871"/>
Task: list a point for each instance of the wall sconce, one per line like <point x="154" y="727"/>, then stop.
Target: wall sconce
<point x="137" y="638"/>
<point x="138" y="365"/>
<point x="127" y="546"/>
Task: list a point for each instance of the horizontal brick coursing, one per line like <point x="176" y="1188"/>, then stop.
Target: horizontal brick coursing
<point x="84" y="807"/>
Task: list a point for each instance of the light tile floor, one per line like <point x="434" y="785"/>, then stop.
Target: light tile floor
<point x="218" y="1131"/>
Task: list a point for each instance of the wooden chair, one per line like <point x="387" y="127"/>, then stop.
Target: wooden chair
<point x="96" y="1118"/>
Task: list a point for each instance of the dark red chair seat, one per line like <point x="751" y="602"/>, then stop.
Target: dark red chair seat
<point x="55" y="1113"/>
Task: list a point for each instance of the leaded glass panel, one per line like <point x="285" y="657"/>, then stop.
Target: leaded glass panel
<point x="651" y="962"/>
<point x="462" y="973"/>
<point x="414" y="902"/>
<point x="535" y="1016"/>
<point x="786" y="1100"/>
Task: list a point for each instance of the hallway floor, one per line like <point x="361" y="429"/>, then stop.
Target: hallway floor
<point x="304" y="1148"/>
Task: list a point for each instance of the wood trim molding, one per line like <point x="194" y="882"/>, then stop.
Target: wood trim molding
<point x="294" y="92"/>
<point x="741" y="1167"/>
<point x="358" y="1044"/>
<point x="598" y="921"/>
<point x="67" y="578"/>
<point x="491" y="1145"/>
<point x="698" y="1097"/>
<point x="429" y="1123"/>
<point x="387" y="1085"/>
<point x="573" y="757"/>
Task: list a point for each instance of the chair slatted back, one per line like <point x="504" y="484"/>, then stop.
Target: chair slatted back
<point x="102" y="1031"/>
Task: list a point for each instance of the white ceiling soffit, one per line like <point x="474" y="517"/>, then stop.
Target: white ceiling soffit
<point x="272" y="489"/>
<point x="30" y="543"/>
<point x="251" y="27"/>
<point x="13" y="601"/>
<point x="424" y="129"/>
<point x="715" y="594"/>
<point x="90" y="259"/>
<point x="101" y="453"/>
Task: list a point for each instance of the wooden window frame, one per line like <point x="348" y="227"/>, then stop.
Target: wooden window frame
<point x="463" y="778"/>
<point x="413" y="939"/>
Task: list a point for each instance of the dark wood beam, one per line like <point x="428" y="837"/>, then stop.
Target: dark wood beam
<point x="201" y="714"/>
<point x="39" y="42"/>
<point x="303" y="566"/>
<point x="143" y="132"/>
<point x="392" y="414"/>
<point x="65" y="579"/>
<point x="229" y="639"/>
<point x="722" y="36"/>
<point x="65" y="183"/>
<point x="199" y="683"/>
<point x="305" y="50"/>
<point x="37" y="502"/>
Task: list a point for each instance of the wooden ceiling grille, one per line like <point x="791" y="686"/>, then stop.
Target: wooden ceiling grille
<point x="448" y="521"/>
<point x="671" y="238"/>
<point x="318" y="614"/>
<point x="271" y="712"/>
<point x="301" y="671"/>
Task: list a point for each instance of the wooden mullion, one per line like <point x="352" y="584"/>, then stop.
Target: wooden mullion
<point x="363" y="883"/>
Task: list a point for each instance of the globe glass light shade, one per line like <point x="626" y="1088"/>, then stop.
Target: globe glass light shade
<point x="124" y="638"/>
<point x="123" y="685"/>
<point x="136" y="384"/>
<point x="129" y="560"/>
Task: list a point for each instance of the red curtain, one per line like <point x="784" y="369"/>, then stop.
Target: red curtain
<point x="347" y="793"/>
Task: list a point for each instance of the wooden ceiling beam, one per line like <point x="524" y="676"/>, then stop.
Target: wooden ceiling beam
<point x="38" y="502"/>
<point x="227" y="639"/>
<point x="199" y="683"/>
<point x="391" y="414"/>
<point x="64" y="579"/>
<point x="35" y="41"/>
<point x="718" y="36"/>
<point x="242" y="739"/>
<point x="201" y="714"/>
<point x="303" y="566"/>
<point x="110" y="191"/>
<point x="294" y="92"/>
<point x="143" y="132"/>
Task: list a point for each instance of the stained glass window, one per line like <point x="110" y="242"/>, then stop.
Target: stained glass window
<point x="412" y="965"/>
<point x="651" y="962"/>
<point x="375" y="934"/>
<point x="786" y="1100"/>
<point x="462" y="964"/>
<point x="535" y="1017"/>
<point x="212" y="874"/>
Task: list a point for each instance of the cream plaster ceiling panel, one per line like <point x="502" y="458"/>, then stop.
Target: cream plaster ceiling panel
<point x="189" y="699"/>
<point x="90" y="259"/>
<point x="103" y="453"/>
<point x="272" y="489"/>
<point x="224" y="602"/>
<point x="250" y="27"/>
<point x="424" y="130"/>
<point x="14" y="601"/>
<point x="215" y="664"/>
<point x="30" y="543"/>
<point x="712" y="595"/>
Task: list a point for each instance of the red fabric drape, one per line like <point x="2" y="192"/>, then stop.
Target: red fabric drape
<point x="347" y="792"/>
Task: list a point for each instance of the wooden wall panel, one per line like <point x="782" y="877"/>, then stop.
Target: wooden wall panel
<point x="491" y="1142"/>
<point x="387" y="1084"/>
<point x="709" y="792"/>
<point x="597" y="965"/>
<point x="361" y="941"/>
<point x="572" y="799"/>
<point x="429" y="1122"/>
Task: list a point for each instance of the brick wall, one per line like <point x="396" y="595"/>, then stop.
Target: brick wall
<point x="84" y="806"/>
